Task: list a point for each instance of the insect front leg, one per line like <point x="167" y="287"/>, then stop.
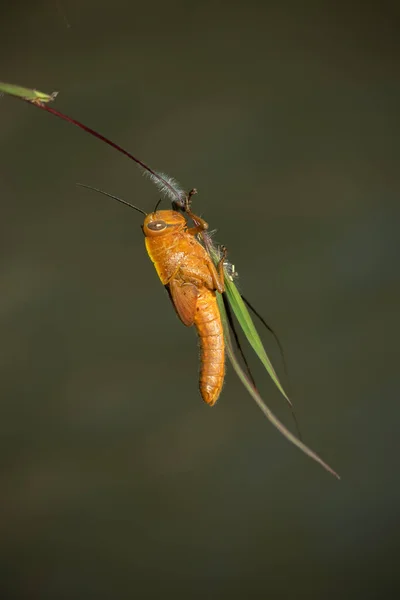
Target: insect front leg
<point x="200" y="224"/>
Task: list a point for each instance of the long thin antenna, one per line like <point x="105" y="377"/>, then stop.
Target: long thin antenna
<point x="165" y="183"/>
<point x="89" y="187"/>
<point x="157" y="205"/>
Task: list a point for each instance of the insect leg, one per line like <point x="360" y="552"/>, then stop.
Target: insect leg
<point x="220" y="265"/>
<point x="200" y="224"/>
<point x="217" y="273"/>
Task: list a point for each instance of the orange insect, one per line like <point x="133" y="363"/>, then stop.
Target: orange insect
<point x="192" y="280"/>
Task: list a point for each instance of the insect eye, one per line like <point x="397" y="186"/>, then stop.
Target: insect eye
<point x="157" y="225"/>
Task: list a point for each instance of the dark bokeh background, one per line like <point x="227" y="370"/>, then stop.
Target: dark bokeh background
<point x="116" y="480"/>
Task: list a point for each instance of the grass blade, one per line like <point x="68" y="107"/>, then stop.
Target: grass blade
<point x="26" y="93"/>
<point x="243" y="316"/>
<point x="260" y="402"/>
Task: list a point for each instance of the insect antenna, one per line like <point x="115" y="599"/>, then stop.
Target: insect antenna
<point x="89" y="187"/>
<point x="157" y="205"/>
<point x="167" y="185"/>
<point x="235" y="335"/>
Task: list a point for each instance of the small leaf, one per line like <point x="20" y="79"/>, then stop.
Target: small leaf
<point x="246" y="323"/>
<point x="28" y="94"/>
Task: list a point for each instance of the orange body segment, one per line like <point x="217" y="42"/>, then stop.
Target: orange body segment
<point x="186" y="269"/>
<point x="212" y="346"/>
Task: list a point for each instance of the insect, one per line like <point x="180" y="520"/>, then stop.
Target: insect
<point x="192" y="281"/>
<point x="199" y="280"/>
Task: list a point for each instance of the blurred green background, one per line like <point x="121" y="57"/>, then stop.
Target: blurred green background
<point x="116" y="480"/>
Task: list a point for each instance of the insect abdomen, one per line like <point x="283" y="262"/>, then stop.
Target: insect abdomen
<point x="212" y="347"/>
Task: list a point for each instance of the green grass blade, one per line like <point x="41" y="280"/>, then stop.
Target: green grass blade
<point x="246" y="323"/>
<point x="256" y="396"/>
<point x="244" y="319"/>
<point x="26" y="93"/>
